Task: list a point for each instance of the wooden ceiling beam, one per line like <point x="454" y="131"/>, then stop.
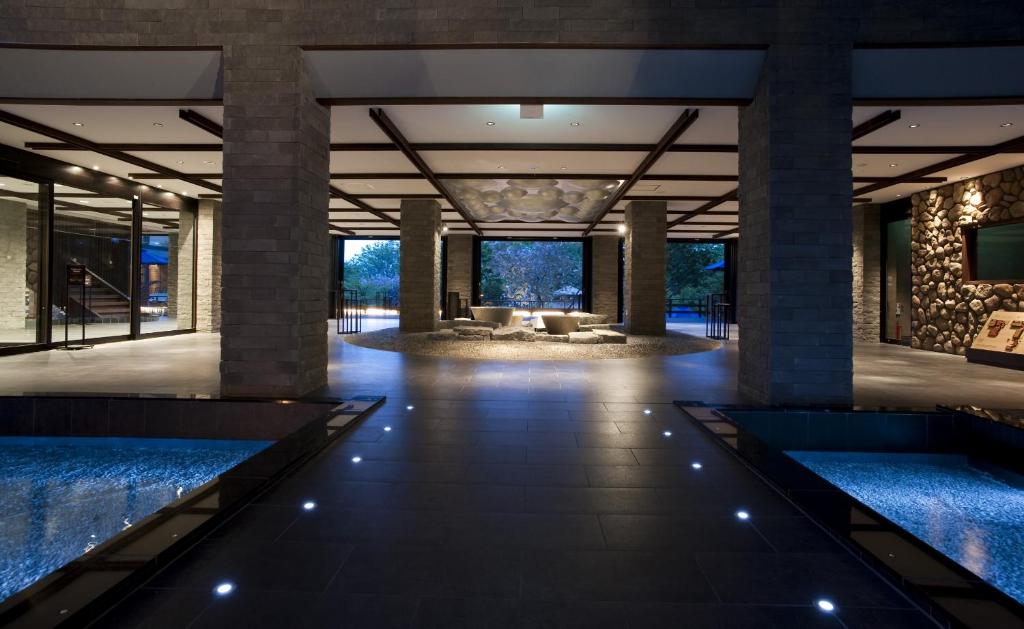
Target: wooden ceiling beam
<point x="395" y="135"/>
<point x="362" y="205"/>
<point x="62" y="136"/>
<point x="678" y="128"/>
<point x="197" y="119"/>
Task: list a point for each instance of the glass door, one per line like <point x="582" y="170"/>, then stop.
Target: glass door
<point x="21" y="262"/>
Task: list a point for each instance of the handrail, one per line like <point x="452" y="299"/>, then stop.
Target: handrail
<point x="108" y="285"/>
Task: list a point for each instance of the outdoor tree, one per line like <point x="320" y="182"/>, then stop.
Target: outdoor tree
<point x="688" y="277"/>
<point x="531" y="270"/>
<point x="374" y="271"/>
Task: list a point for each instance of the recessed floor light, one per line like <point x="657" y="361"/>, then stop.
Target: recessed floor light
<point x="696" y="465"/>
<point x="409" y="407"/>
<point x="742" y="515"/>
<point x="357" y="459"/>
<point x="826" y="605"/>
<point x="223" y="589"/>
<point x="667" y="433"/>
<point x="309" y="505"/>
<point x="78" y="124"/>
<point x="387" y="428"/>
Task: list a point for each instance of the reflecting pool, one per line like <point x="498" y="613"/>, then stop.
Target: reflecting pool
<point x="61" y="497"/>
<point x="973" y="516"/>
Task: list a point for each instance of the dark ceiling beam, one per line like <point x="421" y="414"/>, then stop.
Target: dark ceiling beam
<point x="678" y="128"/>
<point x="201" y="121"/>
<point x="868" y="126"/>
<point x="1009" y="146"/>
<point x="533" y="175"/>
<point x="344" y="230"/>
<point x="535" y="100"/>
<point x="727" y="232"/>
<point x="128" y="146"/>
<point x="56" y="134"/>
<point x="366" y="207"/>
<point x="395" y="135"/>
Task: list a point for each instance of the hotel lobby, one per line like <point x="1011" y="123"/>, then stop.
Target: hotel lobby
<point x="487" y="314"/>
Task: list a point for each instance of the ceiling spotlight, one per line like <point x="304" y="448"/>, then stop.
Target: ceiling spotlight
<point x="445" y="228"/>
<point x="622" y="229"/>
<point x="184" y="191"/>
<point x="181" y="161"/>
<point x="1006" y="124"/>
<point x="899" y="195"/>
<point x="78" y="124"/>
<point x="158" y="124"/>
<point x="207" y="161"/>
<point x="85" y="201"/>
<point x="647" y="411"/>
<point x="95" y="167"/>
<point x="160" y="185"/>
<point x="893" y="165"/>
<point x="500" y="167"/>
<point x="826" y="605"/>
<point x="2" y="184"/>
<point x="565" y="168"/>
<point x="490" y="123"/>
<point x="914" y="125"/>
<point x="574" y="123"/>
<point x="131" y="177"/>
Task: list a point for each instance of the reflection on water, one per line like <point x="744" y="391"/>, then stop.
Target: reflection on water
<point x="62" y="497"/>
<point x="972" y="516"/>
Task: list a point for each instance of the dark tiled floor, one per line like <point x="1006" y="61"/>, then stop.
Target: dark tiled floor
<point x="506" y="514"/>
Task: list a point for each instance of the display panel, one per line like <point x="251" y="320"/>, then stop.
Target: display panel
<point x="999" y="252"/>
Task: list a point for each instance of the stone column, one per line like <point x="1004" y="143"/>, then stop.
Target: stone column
<point x="208" y="266"/>
<point x="604" y="276"/>
<point x="13" y="261"/>
<point x="867" y="274"/>
<point x="643" y="288"/>
<point x="275" y="257"/>
<point x="459" y="268"/>
<point x="184" y="273"/>
<point x="172" y="274"/>
<point x="420" y="269"/>
<point x="795" y="186"/>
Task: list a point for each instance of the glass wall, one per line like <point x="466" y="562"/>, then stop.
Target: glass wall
<point x="167" y="270"/>
<point x="897" y="281"/>
<point x="532" y="274"/>
<point x="21" y="247"/>
<point x="96" y="232"/>
<point x="371" y="267"/>
<point x="693" y="270"/>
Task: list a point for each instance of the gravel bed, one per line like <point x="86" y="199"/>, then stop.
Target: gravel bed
<point x="391" y="340"/>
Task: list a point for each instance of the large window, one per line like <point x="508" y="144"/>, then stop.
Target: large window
<point x="167" y="270"/>
<point x="693" y="271"/>
<point x="95" y="232"/>
<point x="20" y="262"/>
<point x="532" y="274"/>
<point x="371" y="267"/>
<point x="995" y="253"/>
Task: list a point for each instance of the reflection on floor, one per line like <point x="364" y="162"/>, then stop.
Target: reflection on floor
<point x="92" y="331"/>
<point x="519" y="514"/>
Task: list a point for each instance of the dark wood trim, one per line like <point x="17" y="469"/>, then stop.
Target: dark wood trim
<point x="948" y="101"/>
<point x="996" y="43"/>
<point x="334" y="225"/>
<point x="732" y="195"/>
<point x="121" y="146"/>
<point x="135" y="293"/>
<point x="678" y="128"/>
<point x="56" y="134"/>
<point x="108" y="102"/>
<point x="527" y="46"/>
<point x="127" y="47"/>
<point x="395" y="135"/>
<point x="533" y="100"/>
<point x="727" y="232"/>
<point x="1003" y="147"/>
<point x="201" y="121"/>
<point x="365" y="207"/>
<point x="875" y="123"/>
<point x="32" y="165"/>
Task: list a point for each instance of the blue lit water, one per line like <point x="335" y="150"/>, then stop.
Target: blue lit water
<point x="973" y="516"/>
<point x="60" y="497"/>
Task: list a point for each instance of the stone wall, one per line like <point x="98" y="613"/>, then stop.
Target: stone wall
<point x="183" y="275"/>
<point x="867" y="274"/>
<point x="459" y="267"/>
<point x="13" y="256"/>
<point x="604" y="276"/>
<point x="947" y="312"/>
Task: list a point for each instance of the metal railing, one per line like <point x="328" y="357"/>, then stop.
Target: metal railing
<point x="567" y="304"/>
<point x="349" y="310"/>
<point x="719" y="314"/>
<point x="675" y="307"/>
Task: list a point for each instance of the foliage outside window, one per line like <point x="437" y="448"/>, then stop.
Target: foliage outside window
<point x="374" y="271"/>
<point x="694" y="269"/>
<point x="531" y="274"/>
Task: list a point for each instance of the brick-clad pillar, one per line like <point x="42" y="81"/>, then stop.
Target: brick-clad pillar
<point x="867" y="274"/>
<point x="795" y="186"/>
<point x="604" y="276"/>
<point x="185" y="270"/>
<point x="420" y="269"/>
<point x="13" y="259"/>
<point x="274" y="246"/>
<point x="208" y="266"/>
<point x="459" y="267"/>
<point x="643" y="289"/>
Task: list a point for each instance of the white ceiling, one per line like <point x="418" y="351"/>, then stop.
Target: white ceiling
<point x="599" y="124"/>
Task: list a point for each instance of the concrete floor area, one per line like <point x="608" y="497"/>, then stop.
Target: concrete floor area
<point x="884" y="375"/>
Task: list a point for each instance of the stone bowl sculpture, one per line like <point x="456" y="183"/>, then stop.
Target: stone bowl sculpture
<point x="495" y="314"/>
<point x="561" y="324"/>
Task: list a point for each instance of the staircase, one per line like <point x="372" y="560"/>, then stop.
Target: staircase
<point x="103" y="302"/>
